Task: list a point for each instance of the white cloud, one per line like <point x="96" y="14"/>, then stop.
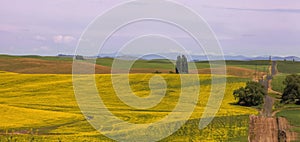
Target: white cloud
<point x="41" y="48"/>
<point x="40" y="38"/>
<point x="68" y="39"/>
<point x="63" y="39"/>
<point x="58" y="39"/>
<point x="11" y="28"/>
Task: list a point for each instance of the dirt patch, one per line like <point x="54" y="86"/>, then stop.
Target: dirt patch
<point x="263" y="129"/>
<point x="270" y="129"/>
<point x="284" y="130"/>
<point x="38" y="66"/>
<point x="234" y="71"/>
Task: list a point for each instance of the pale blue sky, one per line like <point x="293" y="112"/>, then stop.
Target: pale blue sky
<point x="243" y="27"/>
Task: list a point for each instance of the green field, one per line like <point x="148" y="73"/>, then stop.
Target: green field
<point x="288" y="67"/>
<point x="293" y="116"/>
<point x="50" y="58"/>
<point x="260" y="65"/>
<point x="44" y="106"/>
<point x="167" y="64"/>
<point x="156" y="63"/>
<point x="285" y="68"/>
<point x="277" y="82"/>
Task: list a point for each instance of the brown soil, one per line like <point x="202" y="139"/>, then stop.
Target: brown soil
<point x="270" y="129"/>
<point x="37" y="66"/>
<point x="263" y="129"/>
<point x="234" y="71"/>
<point x="285" y="133"/>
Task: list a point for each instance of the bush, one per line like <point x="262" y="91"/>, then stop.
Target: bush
<point x="157" y="72"/>
<point x="251" y="95"/>
<point x="291" y="93"/>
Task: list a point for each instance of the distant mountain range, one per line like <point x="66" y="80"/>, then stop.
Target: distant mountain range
<point x="173" y="56"/>
<point x="245" y="58"/>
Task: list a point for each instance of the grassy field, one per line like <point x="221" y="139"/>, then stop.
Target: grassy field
<point x="285" y="68"/>
<point x="260" y="65"/>
<point x="277" y="82"/>
<point x="42" y="107"/>
<point x="166" y="64"/>
<point x="288" y="67"/>
<point x="156" y="63"/>
<point x="293" y="116"/>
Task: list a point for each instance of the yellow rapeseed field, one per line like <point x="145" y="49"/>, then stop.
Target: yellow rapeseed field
<point x="43" y="107"/>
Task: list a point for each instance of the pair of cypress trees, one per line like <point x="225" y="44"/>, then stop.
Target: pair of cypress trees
<point x="182" y="65"/>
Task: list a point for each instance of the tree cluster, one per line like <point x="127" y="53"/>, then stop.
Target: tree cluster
<point x="182" y="65"/>
<point x="251" y="95"/>
<point x="79" y="57"/>
<point x="291" y="92"/>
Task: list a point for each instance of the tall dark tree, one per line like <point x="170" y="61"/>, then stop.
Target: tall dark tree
<point x="251" y="95"/>
<point x="185" y="68"/>
<point x="181" y="65"/>
<point x="178" y="65"/>
<point x="291" y="92"/>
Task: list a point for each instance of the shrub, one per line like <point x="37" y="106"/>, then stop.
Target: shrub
<point x="251" y="95"/>
<point x="291" y="93"/>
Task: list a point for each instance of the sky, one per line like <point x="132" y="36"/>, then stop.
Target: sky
<point x="243" y="27"/>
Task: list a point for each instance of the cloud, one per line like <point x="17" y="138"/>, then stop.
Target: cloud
<point x="259" y="10"/>
<point x="40" y="38"/>
<point x="268" y="10"/>
<point x="12" y="28"/>
<point x="41" y="48"/>
<point x="63" y="39"/>
<point x="248" y="35"/>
